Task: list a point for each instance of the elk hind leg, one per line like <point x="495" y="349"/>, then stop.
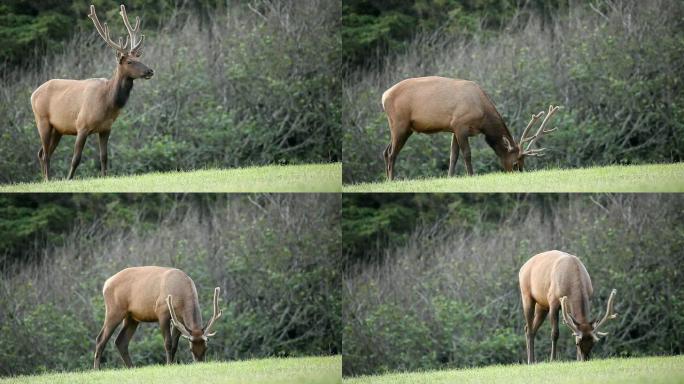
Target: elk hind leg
<point x="111" y="322"/>
<point x="45" y="131"/>
<point x="129" y="327"/>
<point x="528" y="313"/>
<point x="399" y="138"/>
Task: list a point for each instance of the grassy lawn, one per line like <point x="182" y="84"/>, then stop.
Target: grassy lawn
<point x="648" y="370"/>
<point x="313" y="370"/>
<point x="617" y="178"/>
<point x="271" y="178"/>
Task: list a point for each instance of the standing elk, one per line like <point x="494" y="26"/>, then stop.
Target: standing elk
<point x="553" y="280"/>
<point x="438" y="104"/>
<point x="82" y="107"/>
<point x="154" y="294"/>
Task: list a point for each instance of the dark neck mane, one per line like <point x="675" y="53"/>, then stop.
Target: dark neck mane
<point x="121" y="87"/>
<point x="497" y="130"/>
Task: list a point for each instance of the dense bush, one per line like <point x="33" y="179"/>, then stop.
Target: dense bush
<point x="254" y="85"/>
<point x="615" y="69"/>
<point x="449" y="297"/>
<point x="274" y="256"/>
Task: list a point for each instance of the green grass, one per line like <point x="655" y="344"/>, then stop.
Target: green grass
<point x="648" y="370"/>
<point x="313" y="370"/>
<point x="617" y="178"/>
<point x="271" y="178"/>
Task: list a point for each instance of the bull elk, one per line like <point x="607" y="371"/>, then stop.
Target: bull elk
<point x="154" y="294"/>
<point x="556" y="280"/>
<point x="83" y="107"/>
<point x="438" y="104"/>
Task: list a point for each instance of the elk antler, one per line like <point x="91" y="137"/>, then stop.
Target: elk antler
<point x="540" y="132"/>
<point x="567" y="317"/>
<point x="609" y="314"/>
<point x="136" y="46"/>
<point x="216" y="315"/>
<point x="174" y="319"/>
<point x="121" y="50"/>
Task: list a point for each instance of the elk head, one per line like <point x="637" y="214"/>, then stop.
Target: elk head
<point x="127" y="54"/>
<point x="198" y="340"/>
<point x="515" y="158"/>
<point x="586" y="334"/>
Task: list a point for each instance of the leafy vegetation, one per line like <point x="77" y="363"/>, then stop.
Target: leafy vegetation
<point x="615" y="178"/>
<point x="444" y="292"/>
<point x="272" y="255"/>
<point x="307" y="370"/>
<point x="272" y="178"/>
<point x="250" y="84"/>
<point x="611" y="65"/>
<point x="618" y="371"/>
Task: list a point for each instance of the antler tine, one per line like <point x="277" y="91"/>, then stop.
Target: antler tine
<point x="567" y="316"/>
<point x="540" y="132"/>
<point x="174" y="319"/>
<point x="531" y="123"/>
<point x="132" y="32"/>
<point x="216" y="315"/>
<point x="104" y="31"/>
<point x="609" y="313"/>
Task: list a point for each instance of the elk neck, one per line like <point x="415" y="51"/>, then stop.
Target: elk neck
<point x="494" y="135"/>
<point x="120" y="88"/>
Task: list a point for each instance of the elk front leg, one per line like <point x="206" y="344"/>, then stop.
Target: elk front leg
<point x="554" y="329"/>
<point x="78" y="149"/>
<point x="175" y="335"/>
<point x="104" y="138"/>
<point x="129" y="327"/>
<point x="465" y="150"/>
<point x="165" y="327"/>
<point x="453" y="156"/>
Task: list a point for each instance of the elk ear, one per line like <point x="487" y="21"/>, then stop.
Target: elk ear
<point x="508" y="145"/>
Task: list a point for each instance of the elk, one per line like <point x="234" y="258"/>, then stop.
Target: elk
<point x="154" y="294"/>
<point x="555" y="280"/>
<point x="438" y="104"/>
<point x="83" y="107"/>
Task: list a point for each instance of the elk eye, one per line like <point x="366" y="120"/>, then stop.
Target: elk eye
<point x="129" y="62"/>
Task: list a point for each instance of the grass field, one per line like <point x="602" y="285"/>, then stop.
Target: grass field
<point x="648" y="370"/>
<point x="626" y="178"/>
<point x="272" y="178"/>
<point x="308" y="370"/>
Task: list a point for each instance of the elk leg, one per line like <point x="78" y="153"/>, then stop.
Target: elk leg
<point x="54" y="140"/>
<point x="166" y="329"/>
<point x="554" y="329"/>
<point x="398" y="142"/>
<point x="104" y="137"/>
<point x="78" y="149"/>
<point x="129" y="327"/>
<point x="453" y="156"/>
<point x="528" y="313"/>
<point x="110" y="324"/>
<point x="465" y="150"/>
<point x="539" y="316"/>
<point x="385" y="155"/>
<point x="45" y="131"/>
<point x="175" y="335"/>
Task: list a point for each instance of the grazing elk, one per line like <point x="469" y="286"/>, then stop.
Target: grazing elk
<point x="83" y="107"/>
<point x="556" y="280"/>
<point x="154" y="294"/>
<point x="438" y="104"/>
